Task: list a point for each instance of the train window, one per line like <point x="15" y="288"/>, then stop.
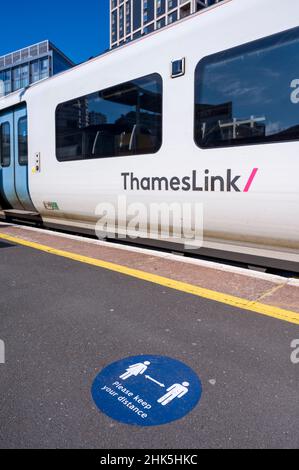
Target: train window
<point x="5" y="143"/>
<point x="249" y="94"/>
<point x="23" y="141"/>
<point x="120" y="121"/>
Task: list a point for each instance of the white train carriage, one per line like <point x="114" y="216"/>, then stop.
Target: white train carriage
<point x="205" y="111"/>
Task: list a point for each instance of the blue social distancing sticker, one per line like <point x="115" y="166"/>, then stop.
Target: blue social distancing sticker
<point x="146" y="390"/>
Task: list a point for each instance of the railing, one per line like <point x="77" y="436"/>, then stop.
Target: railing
<point x="28" y="53"/>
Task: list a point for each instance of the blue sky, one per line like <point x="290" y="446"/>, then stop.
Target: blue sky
<point x="79" y="28"/>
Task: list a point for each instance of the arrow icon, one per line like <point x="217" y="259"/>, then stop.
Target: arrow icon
<point x="155" y="381"/>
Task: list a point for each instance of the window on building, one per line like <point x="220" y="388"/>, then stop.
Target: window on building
<point x="172" y="4"/>
<point x="16" y="78"/>
<point x="23" y="141"/>
<point x="34" y="70"/>
<point x="149" y="29"/>
<point x="121" y="22"/>
<point x="136" y="14"/>
<point x="120" y="121"/>
<point x="249" y="94"/>
<point x="128" y="17"/>
<point x="172" y="17"/>
<point x="2" y="84"/>
<point x="5" y="82"/>
<point x="5" y="144"/>
<point x="148" y="11"/>
<point x="137" y="34"/>
<point x="185" y="10"/>
<point x="161" y="23"/>
<point x="160" y="7"/>
<point x="114" y="26"/>
<point x="44" y="68"/>
<point x="201" y="4"/>
<point x="24" y="76"/>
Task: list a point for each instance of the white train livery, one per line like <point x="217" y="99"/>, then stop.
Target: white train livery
<point x="204" y="112"/>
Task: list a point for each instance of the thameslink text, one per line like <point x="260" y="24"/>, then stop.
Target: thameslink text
<point x="193" y="182"/>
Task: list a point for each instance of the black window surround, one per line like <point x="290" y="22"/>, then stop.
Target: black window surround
<point x="123" y="120"/>
<point x="23" y="141"/>
<point x="249" y="95"/>
<point x="5" y="144"/>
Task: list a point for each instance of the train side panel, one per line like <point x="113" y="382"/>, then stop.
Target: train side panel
<point x="262" y="220"/>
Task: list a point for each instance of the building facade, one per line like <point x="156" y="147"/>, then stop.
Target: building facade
<point x="21" y="68"/>
<point x="131" y="19"/>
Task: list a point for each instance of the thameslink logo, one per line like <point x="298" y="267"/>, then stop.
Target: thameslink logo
<point x="178" y="221"/>
<point x="194" y="182"/>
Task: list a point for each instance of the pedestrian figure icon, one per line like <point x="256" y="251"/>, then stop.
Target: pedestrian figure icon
<point x="175" y="391"/>
<point x="135" y="369"/>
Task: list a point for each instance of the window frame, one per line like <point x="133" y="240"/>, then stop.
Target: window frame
<point x="1" y="145"/>
<point x="102" y="91"/>
<point x="229" y="52"/>
<point x="18" y="127"/>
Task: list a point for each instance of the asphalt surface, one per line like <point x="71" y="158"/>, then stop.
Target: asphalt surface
<point x="63" y="321"/>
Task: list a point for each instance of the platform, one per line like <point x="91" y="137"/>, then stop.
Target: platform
<point x="70" y="306"/>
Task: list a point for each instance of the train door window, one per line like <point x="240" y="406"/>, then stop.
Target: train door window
<point x="23" y="141"/>
<point x="249" y="94"/>
<point x="5" y="144"/>
<point x="119" y="121"/>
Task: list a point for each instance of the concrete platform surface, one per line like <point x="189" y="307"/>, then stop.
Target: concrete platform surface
<point x="63" y="320"/>
<point x="246" y="285"/>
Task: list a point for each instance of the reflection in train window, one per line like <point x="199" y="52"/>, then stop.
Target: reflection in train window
<point x="249" y="94"/>
<point x="23" y="141"/>
<point x="5" y="144"/>
<point x="123" y="120"/>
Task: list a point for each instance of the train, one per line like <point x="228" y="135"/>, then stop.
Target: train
<point x="203" y="114"/>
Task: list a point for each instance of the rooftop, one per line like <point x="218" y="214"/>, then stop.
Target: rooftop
<point x="29" y="53"/>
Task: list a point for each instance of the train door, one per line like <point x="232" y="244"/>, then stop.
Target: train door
<point x="8" y="189"/>
<point x="21" y="158"/>
<point x="14" y="190"/>
<point x="5" y="149"/>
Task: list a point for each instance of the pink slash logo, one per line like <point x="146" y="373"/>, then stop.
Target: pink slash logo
<point x="250" y="180"/>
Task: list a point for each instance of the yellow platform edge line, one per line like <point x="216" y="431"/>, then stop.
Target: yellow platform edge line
<point x="238" y="302"/>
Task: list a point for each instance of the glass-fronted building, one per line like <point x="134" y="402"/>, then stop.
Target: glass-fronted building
<point x="131" y="19"/>
<point x="21" y="68"/>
